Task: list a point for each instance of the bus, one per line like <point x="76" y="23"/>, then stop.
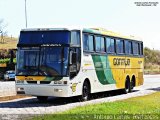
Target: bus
<point x="66" y="62"/>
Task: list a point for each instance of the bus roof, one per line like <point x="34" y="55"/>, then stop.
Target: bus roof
<point x="101" y="31"/>
<point x="43" y="29"/>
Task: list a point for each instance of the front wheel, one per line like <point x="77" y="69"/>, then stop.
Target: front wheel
<point x="42" y="98"/>
<point x="85" y="91"/>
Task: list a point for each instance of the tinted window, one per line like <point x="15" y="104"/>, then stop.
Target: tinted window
<point x="135" y="48"/>
<point x="100" y="44"/>
<point x="128" y="47"/>
<point x="44" y="37"/>
<point x="110" y="45"/>
<point x="91" y="48"/>
<point x="75" y="38"/>
<point x="141" y="48"/>
<point x="46" y="61"/>
<point x="88" y="42"/>
<point x="120" y="46"/>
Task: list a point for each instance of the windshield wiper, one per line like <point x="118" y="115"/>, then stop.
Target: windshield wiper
<point x="29" y="66"/>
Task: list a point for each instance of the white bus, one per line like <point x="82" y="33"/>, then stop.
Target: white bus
<point x="64" y="62"/>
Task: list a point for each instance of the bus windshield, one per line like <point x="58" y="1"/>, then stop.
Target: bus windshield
<point x="45" y="61"/>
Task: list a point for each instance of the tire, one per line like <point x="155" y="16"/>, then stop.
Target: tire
<point x="127" y="88"/>
<point x="42" y="98"/>
<point x="85" y="91"/>
<point x="131" y="86"/>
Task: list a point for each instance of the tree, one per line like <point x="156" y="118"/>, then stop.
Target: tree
<point x="151" y="57"/>
<point x="3" y="31"/>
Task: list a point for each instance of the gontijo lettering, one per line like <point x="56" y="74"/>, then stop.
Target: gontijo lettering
<point x="121" y="61"/>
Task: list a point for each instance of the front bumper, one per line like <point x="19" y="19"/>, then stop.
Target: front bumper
<point x="44" y="90"/>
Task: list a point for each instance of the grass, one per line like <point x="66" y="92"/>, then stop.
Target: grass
<point x="149" y="104"/>
<point x="9" y="43"/>
<point x="152" y="68"/>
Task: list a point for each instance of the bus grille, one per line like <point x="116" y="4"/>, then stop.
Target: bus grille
<point x="32" y="82"/>
<point x="38" y="82"/>
<point x="45" y="82"/>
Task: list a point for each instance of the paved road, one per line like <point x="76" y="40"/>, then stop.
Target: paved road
<point x="7" y="88"/>
<point x="30" y="106"/>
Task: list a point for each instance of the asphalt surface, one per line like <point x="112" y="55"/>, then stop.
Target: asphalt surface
<point x="7" y="88"/>
<point x="28" y="107"/>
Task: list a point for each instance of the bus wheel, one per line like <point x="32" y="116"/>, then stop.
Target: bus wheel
<point x="127" y="88"/>
<point x="42" y="98"/>
<point x="132" y="83"/>
<point x="85" y="91"/>
<point x="131" y="86"/>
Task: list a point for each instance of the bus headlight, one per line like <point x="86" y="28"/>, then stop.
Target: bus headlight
<point x="58" y="90"/>
<point x="60" y="82"/>
<point x="55" y="82"/>
<point x="20" y="89"/>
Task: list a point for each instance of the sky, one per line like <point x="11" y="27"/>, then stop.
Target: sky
<point x="122" y="16"/>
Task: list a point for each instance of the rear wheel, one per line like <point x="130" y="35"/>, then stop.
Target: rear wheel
<point x="131" y="86"/>
<point x="127" y="88"/>
<point x="42" y="98"/>
<point x="133" y="83"/>
<point x="85" y="91"/>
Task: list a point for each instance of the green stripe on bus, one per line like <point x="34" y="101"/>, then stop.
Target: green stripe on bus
<point x="53" y="78"/>
<point x="103" y="71"/>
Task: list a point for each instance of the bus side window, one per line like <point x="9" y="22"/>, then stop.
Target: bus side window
<point x="100" y="45"/>
<point x="141" y="48"/>
<point x="135" y="47"/>
<point x="75" y="38"/>
<point x="88" y="42"/>
<point x="110" y="45"/>
<point x="120" y="46"/>
<point x="85" y="42"/>
<point x="128" y="47"/>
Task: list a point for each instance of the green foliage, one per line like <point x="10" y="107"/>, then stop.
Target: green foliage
<point x="5" y="55"/>
<point x="6" y="60"/>
<point x="151" y="57"/>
